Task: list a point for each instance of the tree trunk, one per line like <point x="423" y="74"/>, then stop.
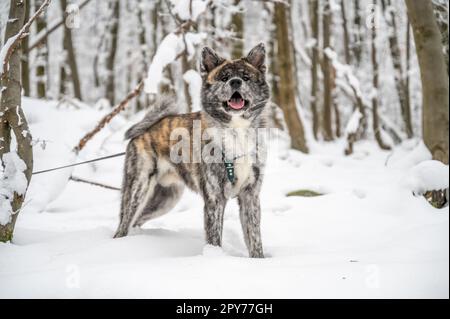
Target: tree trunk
<point x="110" y="86"/>
<point x="237" y="25"/>
<point x="12" y="117"/>
<point x="286" y="73"/>
<point x="434" y="77"/>
<point x="348" y="58"/>
<point x="71" y="59"/>
<point x="441" y="13"/>
<point x="41" y="56"/>
<point x="357" y="43"/>
<point x="375" y="84"/>
<point x="26" y="59"/>
<point x="327" y="74"/>
<point x="142" y="103"/>
<point x="398" y="69"/>
<point x="314" y="14"/>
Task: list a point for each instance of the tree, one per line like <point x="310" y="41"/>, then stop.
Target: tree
<point x="41" y="56"/>
<point x="70" y="68"/>
<point x="434" y="77"/>
<point x="314" y="17"/>
<point x="327" y="125"/>
<point x="237" y="25"/>
<point x="286" y="82"/>
<point x="26" y="60"/>
<point x="399" y="73"/>
<point x="375" y="80"/>
<point x="113" y="27"/>
<point x="12" y="118"/>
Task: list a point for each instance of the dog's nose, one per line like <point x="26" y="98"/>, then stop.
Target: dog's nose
<point x="235" y="83"/>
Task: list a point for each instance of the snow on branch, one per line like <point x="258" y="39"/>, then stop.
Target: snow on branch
<point x="176" y="42"/>
<point x="13" y="42"/>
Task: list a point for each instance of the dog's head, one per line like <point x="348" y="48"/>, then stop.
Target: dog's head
<point x="234" y="87"/>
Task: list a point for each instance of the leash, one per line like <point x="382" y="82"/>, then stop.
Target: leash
<point x="81" y="163"/>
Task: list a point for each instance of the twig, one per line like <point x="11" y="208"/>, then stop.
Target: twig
<point x="81" y="180"/>
<point x="105" y="120"/>
<point x="23" y="33"/>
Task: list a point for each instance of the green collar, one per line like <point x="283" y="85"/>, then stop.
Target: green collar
<point x="229" y="168"/>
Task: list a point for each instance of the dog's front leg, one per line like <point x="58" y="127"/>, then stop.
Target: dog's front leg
<point x="214" y="209"/>
<point x="250" y="214"/>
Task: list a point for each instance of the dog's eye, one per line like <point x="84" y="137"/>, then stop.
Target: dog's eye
<point x="224" y="78"/>
<point x="245" y="78"/>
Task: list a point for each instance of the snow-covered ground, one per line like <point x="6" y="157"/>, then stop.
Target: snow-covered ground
<point x="368" y="236"/>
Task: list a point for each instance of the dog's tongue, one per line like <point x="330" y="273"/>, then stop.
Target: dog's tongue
<point x="236" y="103"/>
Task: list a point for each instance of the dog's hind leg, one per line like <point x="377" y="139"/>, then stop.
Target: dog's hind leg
<point x="138" y="184"/>
<point x="163" y="199"/>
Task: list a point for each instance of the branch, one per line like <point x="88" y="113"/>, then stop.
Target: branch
<point x="81" y="180"/>
<point x="44" y="35"/>
<point x="13" y="42"/>
<point x="105" y="120"/>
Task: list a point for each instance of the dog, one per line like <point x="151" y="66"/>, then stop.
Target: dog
<point x="234" y="95"/>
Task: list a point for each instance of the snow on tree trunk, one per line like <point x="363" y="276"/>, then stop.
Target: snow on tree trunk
<point x="15" y="163"/>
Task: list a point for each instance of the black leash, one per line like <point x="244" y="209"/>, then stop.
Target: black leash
<point x="81" y="163"/>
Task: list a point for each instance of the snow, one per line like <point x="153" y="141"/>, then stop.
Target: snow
<point x="12" y="180"/>
<point x="170" y="47"/>
<point x="188" y="10"/>
<point x="367" y="236"/>
<point x="427" y="176"/>
<point x="194" y="80"/>
<point x="4" y="52"/>
<point x="353" y="123"/>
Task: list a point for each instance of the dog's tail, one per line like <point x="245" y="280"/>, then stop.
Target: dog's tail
<point x="164" y="106"/>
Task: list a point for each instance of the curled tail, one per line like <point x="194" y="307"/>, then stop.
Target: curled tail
<point x="164" y="106"/>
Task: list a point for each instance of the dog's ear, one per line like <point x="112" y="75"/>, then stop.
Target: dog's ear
<point x="210" y="60"/>
<point x="257" y="57"/>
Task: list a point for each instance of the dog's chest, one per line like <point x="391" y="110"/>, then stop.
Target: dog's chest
<point x="239" y="144"/>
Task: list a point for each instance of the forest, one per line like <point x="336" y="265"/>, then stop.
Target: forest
<point x="359" y="100"/>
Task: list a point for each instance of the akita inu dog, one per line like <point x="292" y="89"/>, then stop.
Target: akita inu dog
<point x="234" y="96"/>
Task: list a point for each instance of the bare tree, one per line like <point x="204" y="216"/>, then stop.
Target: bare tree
<point x="357" y="33"/>
<point x="375" y="80"/>
<point x="69" y="70"/>
<point x="110" y="83"/>
<point x="286" y="85"/>
<point x="433" y="75"/>
<point x="327" y="125"/>
<point x="394" y="47"/>
<point x="346" y="33"/>
<point x="12" y="118"/>
<point x="41" y="56"/>
<point x="26" y="59"/>
<point x="237" y="25"/>
<point x="314" y="16"/>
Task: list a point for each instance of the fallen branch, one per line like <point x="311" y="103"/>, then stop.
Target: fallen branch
<point x="41" y="37"/>
<point x="13" y="42"/>
<point x="81" y="180"/>
<point x="106" y="119"/>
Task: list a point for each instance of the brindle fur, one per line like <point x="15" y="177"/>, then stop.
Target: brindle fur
<point x="153" y="184"/>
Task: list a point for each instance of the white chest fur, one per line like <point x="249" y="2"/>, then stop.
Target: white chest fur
<point x="238" y="144"/>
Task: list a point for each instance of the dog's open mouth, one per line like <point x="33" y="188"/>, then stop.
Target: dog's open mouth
<point x="236" y="102"/>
